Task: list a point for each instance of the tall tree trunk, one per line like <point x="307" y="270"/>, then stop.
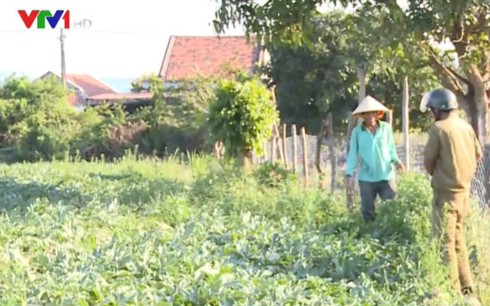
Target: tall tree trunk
<point x="483" y="120"/>
<point x="477" y="111"/>
<point x="481" y="101"/>
<point x="472" y="112"/>
<point x="476" y="107"/>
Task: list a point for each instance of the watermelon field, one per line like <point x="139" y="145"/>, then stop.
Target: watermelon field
<point x="193" y="232"/>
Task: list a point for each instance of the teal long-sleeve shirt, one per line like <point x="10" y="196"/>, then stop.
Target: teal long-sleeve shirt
<point x="377" y="153"/>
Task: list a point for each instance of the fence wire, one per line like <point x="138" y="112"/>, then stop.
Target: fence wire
<point x="479" y="186"/>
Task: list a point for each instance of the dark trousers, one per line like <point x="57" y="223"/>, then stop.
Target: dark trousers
<point x="369" y="190"/>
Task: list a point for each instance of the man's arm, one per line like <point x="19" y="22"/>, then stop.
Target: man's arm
<point x="352" y="154"/>
<point x="431" y="150"/>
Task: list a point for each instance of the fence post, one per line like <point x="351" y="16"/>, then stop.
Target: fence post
<point x="279" y="146"/>
<point x="305" y="156"/>
<point x="331" y="147"/>
<point x="284" y="145"/>
<point x="295" y="147"/>
<point x="389" y="118"/>
<point x="319" y="141"/>
<point x="273" y="147"/>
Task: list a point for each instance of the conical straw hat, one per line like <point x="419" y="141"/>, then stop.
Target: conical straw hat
<point x="370" y="104"/>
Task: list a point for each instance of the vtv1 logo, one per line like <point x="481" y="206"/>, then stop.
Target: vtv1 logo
<point x="42" y="16"/>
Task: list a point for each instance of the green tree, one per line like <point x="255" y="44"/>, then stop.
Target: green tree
<point x="242" y="115"/>
<point x="461" y="24"/>
<point x="313" y="80"/>
<point x="36" y="119"/>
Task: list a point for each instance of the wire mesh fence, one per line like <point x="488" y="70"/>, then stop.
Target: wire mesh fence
<point x="333" y="167"/>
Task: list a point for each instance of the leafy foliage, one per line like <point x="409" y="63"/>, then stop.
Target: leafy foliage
<point x="313" y="80"/>
<point x="274" y="175"/>
<point x="241" y="116"/>
<point x="145" y="233"/>
<point x="177" y="119"/>
<point x="405" y="32"/>
<point x="36" y="118"/>
<point x="36" y="122"/>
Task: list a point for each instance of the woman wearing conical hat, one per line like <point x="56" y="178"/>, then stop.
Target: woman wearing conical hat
<point x="372" y="142"/>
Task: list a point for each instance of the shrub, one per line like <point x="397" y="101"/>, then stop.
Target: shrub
<point x="37" y="121"/>
<point x="177" y="120"/>
<point x="274" y="175"/>
<point x="241" y="115"/>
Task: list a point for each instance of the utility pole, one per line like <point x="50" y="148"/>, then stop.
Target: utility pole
<point x="63" y="68"/>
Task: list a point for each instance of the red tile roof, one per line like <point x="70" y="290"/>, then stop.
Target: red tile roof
<point x="188" y="56"/>
<point x="81" y="86"/>
<point x="90" y="85"/>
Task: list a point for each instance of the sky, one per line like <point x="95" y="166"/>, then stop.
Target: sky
<point x="126" y="40"/>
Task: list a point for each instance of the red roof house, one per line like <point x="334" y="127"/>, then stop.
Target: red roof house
<point x="191" y="56"/>
<point x="83" y="86"/>
<point x="89" y="85"/>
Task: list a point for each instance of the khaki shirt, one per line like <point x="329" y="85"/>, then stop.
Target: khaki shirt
<point x="454" y="147"/>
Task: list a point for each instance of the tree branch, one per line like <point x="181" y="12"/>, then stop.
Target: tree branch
<point x="458" y="76"/>
<point x="449" y="78"/>
<point x="459" y="37"/>
<point x="481" y="24"/>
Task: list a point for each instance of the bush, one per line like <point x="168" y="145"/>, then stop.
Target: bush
<point x="37" y="121"/>
<point x="274" y="175"/>
<point x="177" y="120"/>
<point x="241" y="115"/>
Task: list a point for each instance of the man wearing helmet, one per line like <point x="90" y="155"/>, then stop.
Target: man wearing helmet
<point x="450" y="157"/>
<point x="373" y="142"/>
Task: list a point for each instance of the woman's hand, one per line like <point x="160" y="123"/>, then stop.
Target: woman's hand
<point x="400" y="167"/>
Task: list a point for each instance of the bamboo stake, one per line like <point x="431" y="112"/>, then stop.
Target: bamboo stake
<point x="295" y="147"/>
<point x="284" y="145"/>
<point x="279" y="146"/>
<point x="305" y="156"/>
